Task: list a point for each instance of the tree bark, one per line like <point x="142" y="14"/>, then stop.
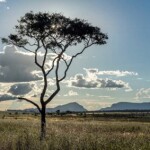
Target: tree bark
<point x="43" y="123"/>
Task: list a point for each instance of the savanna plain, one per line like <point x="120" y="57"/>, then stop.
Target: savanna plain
<point x="75" y="132"/>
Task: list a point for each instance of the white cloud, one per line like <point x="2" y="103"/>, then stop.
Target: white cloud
<point x="4" y="87"/>
<point x="37" y="87"/>
<point x="21" y="89"/>
<point x="117" y="73"/>
<point x="2" y="1"/>
<point x="11" y="90"/>
<point x="16" y="66"/>
<point x="52" y="56"/>
<point x="81" y="81"/>
<point x="143" y="94"/>
<point x="71" y="93"/>
<point x="93" y="81"/>
<point x="6" y="97"/>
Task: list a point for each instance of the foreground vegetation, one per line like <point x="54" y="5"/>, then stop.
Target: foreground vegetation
<point x="21" y="132"/>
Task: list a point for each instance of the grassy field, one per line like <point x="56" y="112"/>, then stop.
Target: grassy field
<point x="21" y="132"/>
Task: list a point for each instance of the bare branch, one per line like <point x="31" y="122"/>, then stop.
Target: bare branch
<point x="57" y="80"/>
<point x="45" y="55"/>
<point x="35" y="57"/>
<point x="59" y="56"/>
<point x="64" y="61"/>
<point x="59" y="44"/>
<point x="53" y="95"/>
<point x="53" y="64"/>
<point x="32" y="44"/>
<point x="26" y="49"/>
<point x="74" y="56"/>
<point x="27" y="100"/>
<point x="65" y="73"/>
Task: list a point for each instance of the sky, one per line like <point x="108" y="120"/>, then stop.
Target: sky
<point x="115" y="72"/>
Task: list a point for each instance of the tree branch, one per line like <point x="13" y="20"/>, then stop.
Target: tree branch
<point x="53" y="95"/>
<point x="57" y="81"/>
<point x="27" y="100"/>
<point x="59" y="56"/>
<point x="26" y="49"/>
<point x="65" y="73"/>
<point x="74" y="56"/>
<point x="45" y="55"/>
<point x="53" y="63"/>
<point x="45" y="86"/>
<point x="35" y="57"/>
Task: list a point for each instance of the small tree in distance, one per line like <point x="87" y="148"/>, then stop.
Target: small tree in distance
<point x="53" y="33"/>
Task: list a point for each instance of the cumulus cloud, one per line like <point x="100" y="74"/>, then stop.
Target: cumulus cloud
<point x="86" y="82"/>
<point x="38" y="86"/>
<point x="20" y="89"/>
<point x="143" y="94"/>
<point x="92" y="81"/>
<point x="26" y="89"/>
<point x="52" y="56"/>
<point x="16" y="66"/>
<point x="71" y="93"/>
<point x="19" y="66"/>
<point x="117" y="73"/>
<point x="6" y="97"/>
<point x="4" y="87"/>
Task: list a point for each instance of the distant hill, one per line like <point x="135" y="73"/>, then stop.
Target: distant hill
<point x="127" y="106"/>
<point x="74" y="107"/>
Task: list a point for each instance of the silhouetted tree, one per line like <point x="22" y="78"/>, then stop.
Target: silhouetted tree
<point x="53" y="33"/>
<point x="58" y="112"/>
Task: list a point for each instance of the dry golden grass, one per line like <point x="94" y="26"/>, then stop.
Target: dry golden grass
<point x="74" y="134"/>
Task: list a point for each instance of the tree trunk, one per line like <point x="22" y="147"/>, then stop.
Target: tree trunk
<point x="43" y="123"/>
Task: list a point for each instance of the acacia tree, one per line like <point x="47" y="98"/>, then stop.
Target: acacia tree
<point x="53" y="33"/>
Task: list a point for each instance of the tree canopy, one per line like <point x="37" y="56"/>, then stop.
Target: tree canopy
<point x="56" y="30"/>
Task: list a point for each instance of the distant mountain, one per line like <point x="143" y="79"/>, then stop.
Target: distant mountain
<point x="127" y="106"/>
<point x="73" y="107"/>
